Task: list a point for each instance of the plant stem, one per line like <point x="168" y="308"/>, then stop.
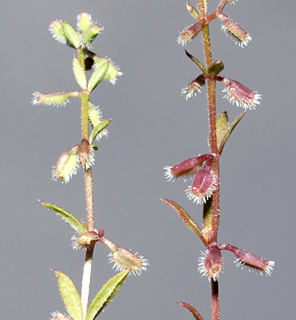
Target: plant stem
<point x="215" y="300"/>
<point x="86" y="276"/>
<point x="211" y="84"/>
<point x="88" y="182"/>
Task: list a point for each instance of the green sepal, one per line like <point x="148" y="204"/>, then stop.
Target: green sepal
<point x="70" y="296"/>
<point x="97" y="129"/>
<point x="53" y="99"/>
<point x="192" y="11"/>
<point x="194" y="312"/>
<point x="79" y="74"/>
<point x="56" y="28"/>
<point x="113" y="71"/>
<point x="215" y="68"/>
<point x="71" y="35"/>
<point x="94" y="114"/>
<point x="83" y="21"/>
<point x="106" y="294"/>
<point x="98" y="75"/>
<point x="90" y="34"/>
<point x="186" y="219"/>
<point x="229" y="131"/>
<point x="79" y="227"/>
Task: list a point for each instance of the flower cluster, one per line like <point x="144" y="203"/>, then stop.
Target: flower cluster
<point x="204" y="181"/>
<point x="211" y="262"/>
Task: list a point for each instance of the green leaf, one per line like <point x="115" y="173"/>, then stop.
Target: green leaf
<point x="97" y="129"/>
<point x="231" y="128"/>
<point x="70" y="296"/>
<point x="113" y="71"/>
<point x="186" y="218"/>
<point x="89" y="35"/>
<point x="192" y="11"/>
<point x="106" y="294"/>
<point x="222" y="126"/>
<point x="79" y="73"/>
<point x="71" y="35"/>
<point x="79" y="227"/>
<point x="98" y="75"/>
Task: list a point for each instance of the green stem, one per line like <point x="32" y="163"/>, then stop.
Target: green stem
<point x="87" y="268"/>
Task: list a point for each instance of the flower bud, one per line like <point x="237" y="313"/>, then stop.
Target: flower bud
<point x="183" y="169"/>
<point x="124" y="259"/>
<point x="86" y="154"/>
<point x="232" y="28"/>
<point x="238" y="94"/>
<point x="56" y="29"/>
<point x="66" y="166"/>
<point x="193" y="87"/>
<point x="203" y="186"/>
<point x="211" y="263"/>
<point x="189" y="33"/>
<point x="250" y="260"/>
<point x="84" y="21"/>
<point x="84" y="240"/>
<point x="53" y="99"/>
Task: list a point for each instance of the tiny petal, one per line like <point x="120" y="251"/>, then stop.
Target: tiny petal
<point x="59" y="316"/>
<point x="210" y="264"/>
<point x="241" y="37"/>
<point x="241" y="96"/>
<point x="203" y="186"/>
<point x="189" y="33"/>
<point x="66" y="166"/>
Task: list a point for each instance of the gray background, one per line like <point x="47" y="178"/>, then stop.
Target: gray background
<point x="152" y="127"/>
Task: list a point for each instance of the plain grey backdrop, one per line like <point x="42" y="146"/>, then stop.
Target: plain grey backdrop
<point x="153" y="126"/>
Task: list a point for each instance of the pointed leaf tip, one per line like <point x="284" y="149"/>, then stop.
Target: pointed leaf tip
<point x="79" y="227"/>
<point x="194" y="312"/>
